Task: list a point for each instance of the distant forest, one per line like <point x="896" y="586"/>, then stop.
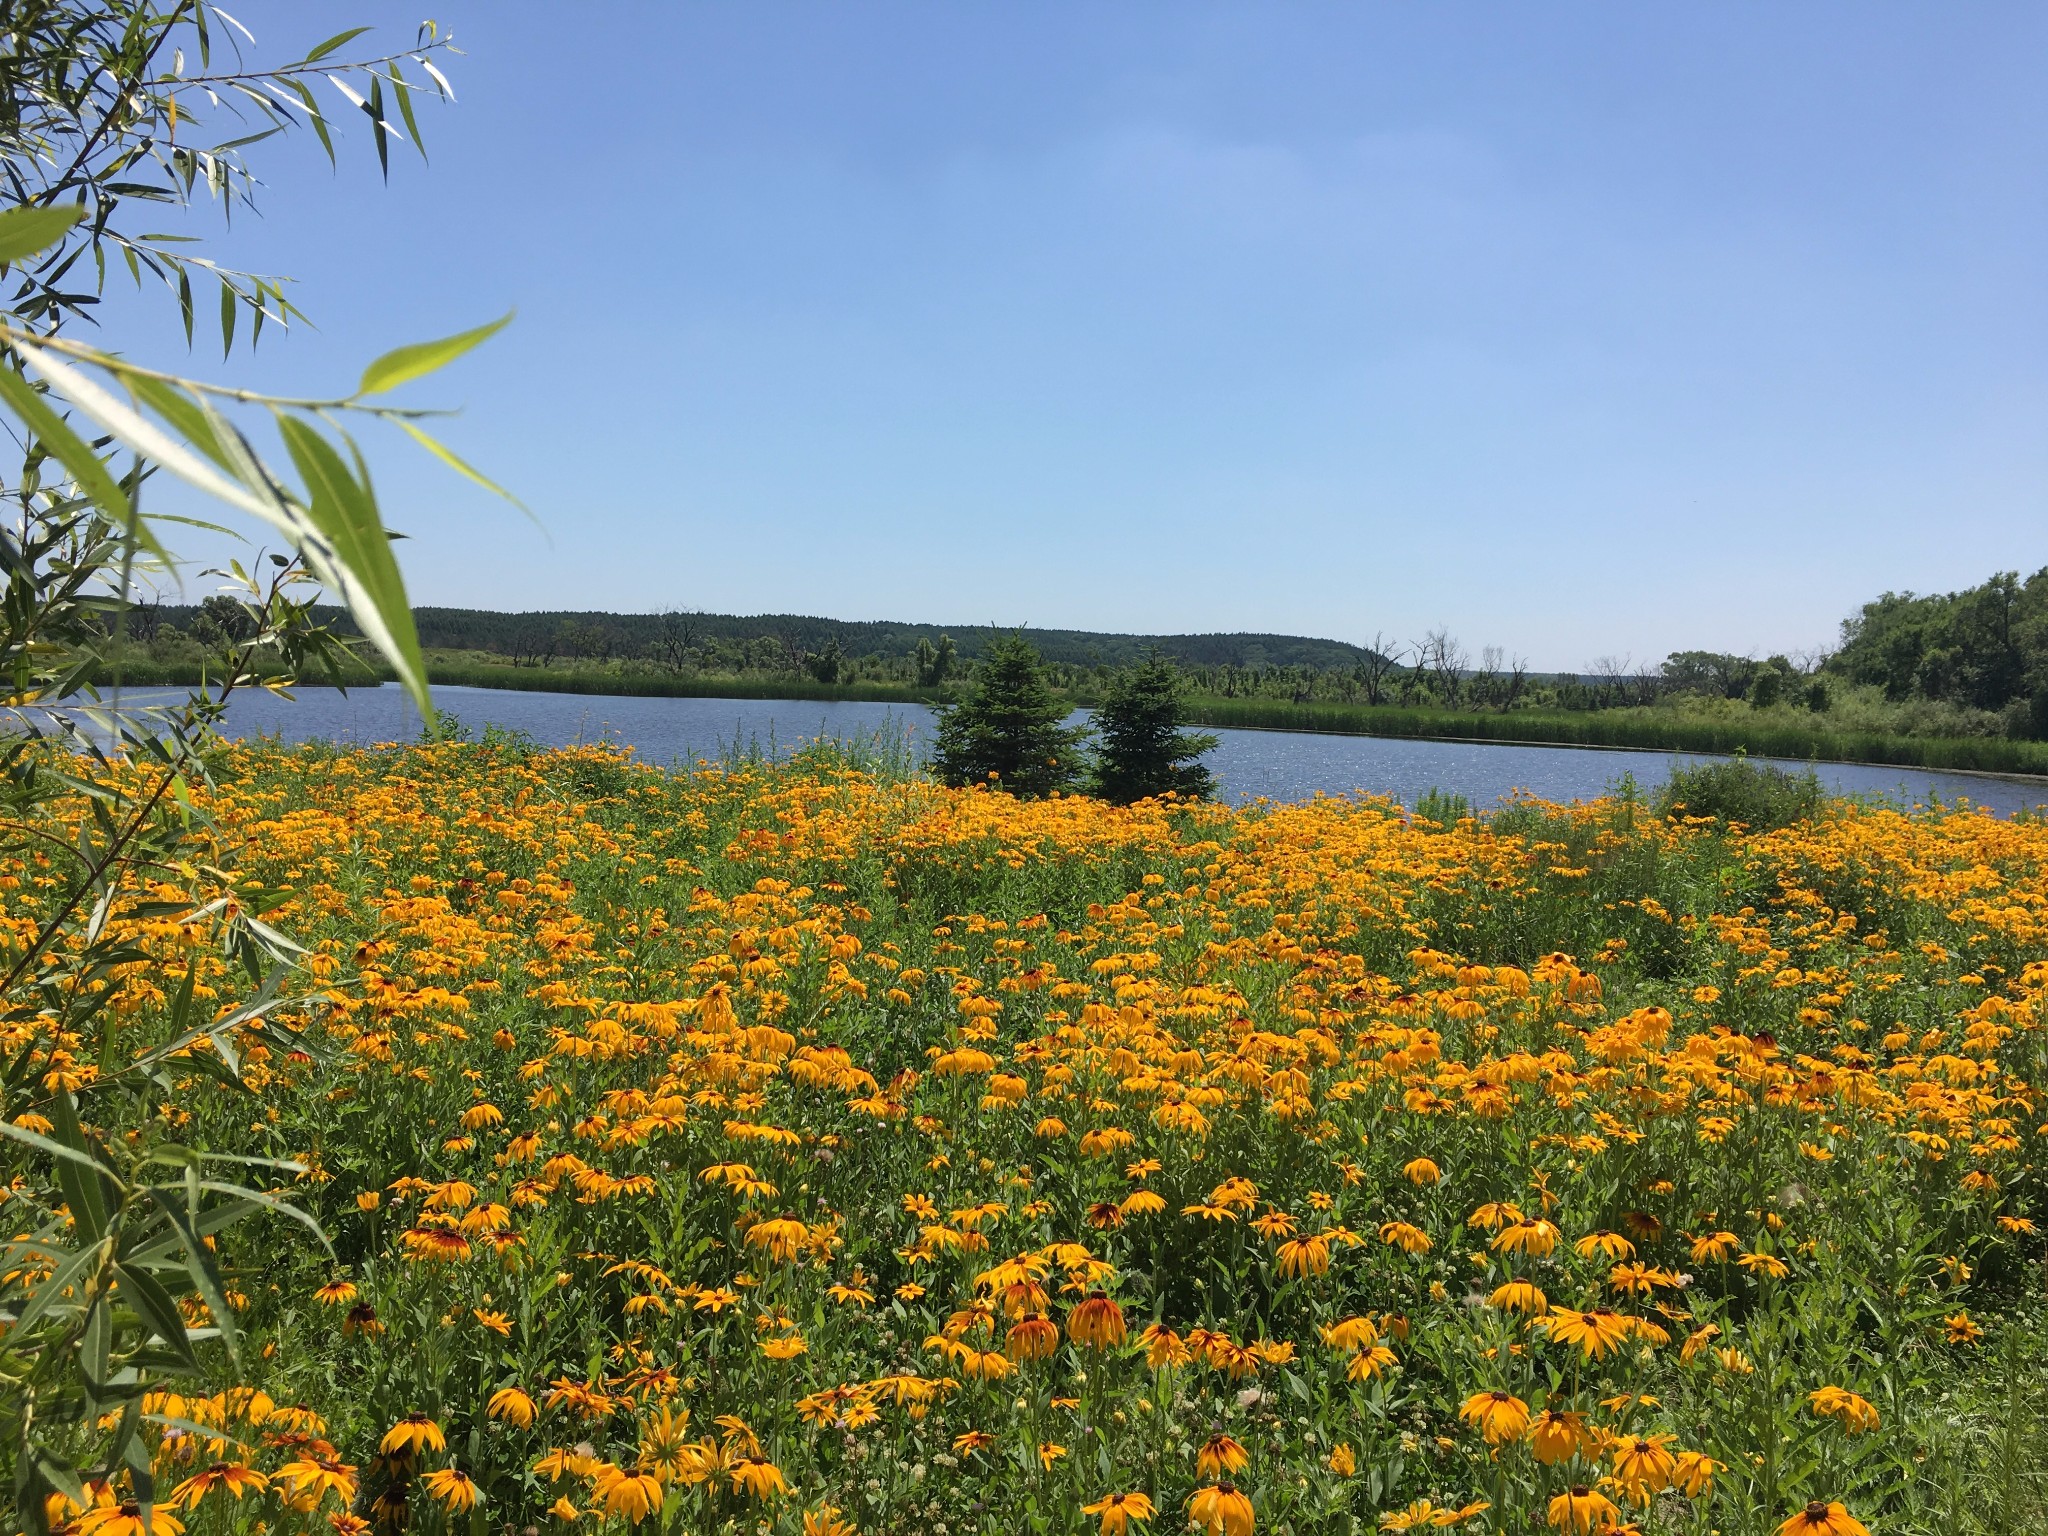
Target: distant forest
<point x="1969" y="663"/>
<point x="708" y="639"/>
<point x="828" y="651"/>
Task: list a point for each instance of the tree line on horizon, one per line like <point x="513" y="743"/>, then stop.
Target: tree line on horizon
<point x="1976" y="659"/>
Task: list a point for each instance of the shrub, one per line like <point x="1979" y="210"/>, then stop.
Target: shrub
<point x="1735" y="791"/>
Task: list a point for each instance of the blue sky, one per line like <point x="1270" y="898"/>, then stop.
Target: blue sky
<point x="1582" y="329"/>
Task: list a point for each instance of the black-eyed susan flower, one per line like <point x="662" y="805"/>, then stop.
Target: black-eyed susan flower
<point x="1500" y="1417"/>
<point x="1119" y="1511"/>
<point x="1222" y="1510"/>
<point x="1520" y="1296"/>
<point x="228" y="1477"/>
<point x="1219" y="1456"/>
<point x="1597" y="1332"/>
<point x="453" y="1488"/>
<point x="1823" y="1519"/>
<point x="414" y="1432"/>
<point x="1856" y="1413"/>
<point x="757" y="1477"/>
<point x="1583" y="1510"/>
<point x="510" y="1405"/>
<point x="1643" y="1462"/>
<point x="1556" y="1435"/>
<point x="1097" y="1323"/>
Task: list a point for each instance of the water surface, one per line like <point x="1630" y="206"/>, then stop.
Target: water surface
<point x="1278" y="765"/>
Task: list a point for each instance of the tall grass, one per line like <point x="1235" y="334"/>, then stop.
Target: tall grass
<point x="1629" y="730"/>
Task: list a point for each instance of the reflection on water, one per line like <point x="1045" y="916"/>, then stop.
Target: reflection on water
<point x="1278" y="765"/>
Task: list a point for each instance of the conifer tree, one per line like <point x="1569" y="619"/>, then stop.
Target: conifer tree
<point x="1008" y="729"/>
<point x="1143" y="751"/>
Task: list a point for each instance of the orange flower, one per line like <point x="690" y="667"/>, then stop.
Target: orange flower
<point x="1856" y="1413"/>
<point x="1583" y="1511"/>
<point x="1119" y="1510"/>
<point x="1556" y="1436"/>
<point x="1034" y="1338"/>
<point x="1598" y="1332"/>
<point x="1098" y="1322"/>
<point x="1500" y="1417"/>
<point x="1220" y="1455"/>
<point x="414" y="1432"/>
<point x="228" y="1476"/>
<point x="453" y="1488"/>
<point x="1221" y="1511"/>
<point x="512" y="1406"/>
<point x="1819" y="1519"/>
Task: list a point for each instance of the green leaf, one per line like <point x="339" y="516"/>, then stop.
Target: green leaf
<point x="82" y="1190"/>
<point x="199" y="1269"/>
<point x="154" y="1306"/>
<point x="50" y="1293"/>
<point x="55" y="1472"/>
<point x="69" y="449"/>
<point x="271" y="1202"/>
<point x="448" y="456"/>
<point x="25" y="231"/>
<point x="403" y="91"/>
<point x="333" y="43"/>
<point x="95" y="1348"/>
<point x="378" y="131"/>
<point x="344" y="511"/>
<point x="314" y="115"/>
<point x="405" y="364"/>
<point x="228" y="304"/>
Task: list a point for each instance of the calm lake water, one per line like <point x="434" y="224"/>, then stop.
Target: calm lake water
<point x="1279" y="765"/>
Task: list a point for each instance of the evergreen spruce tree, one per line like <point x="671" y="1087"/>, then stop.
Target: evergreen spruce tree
<point x="1142" y="750"/>
<point x="1009" y="726"/>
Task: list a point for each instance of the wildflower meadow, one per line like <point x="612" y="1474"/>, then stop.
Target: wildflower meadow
<point x="810" y="1148"/>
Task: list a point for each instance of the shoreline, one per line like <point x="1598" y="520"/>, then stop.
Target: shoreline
<point x="1202" y="714"/>
<point x="1589" y="746"/>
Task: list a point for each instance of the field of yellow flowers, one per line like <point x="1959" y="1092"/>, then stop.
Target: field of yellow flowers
<point x="790" y="1149"/>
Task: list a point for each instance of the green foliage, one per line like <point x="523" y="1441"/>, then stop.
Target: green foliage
<point x="1141" y="750"/>
<point x="1441" y="809"/>
<point x="1759" y="796"/>
<point x="116" y="1224"/>
<point x="1710" y="672"/>
<point x="1007" y="731"/>
<point x="1986" y="646"/>
<point x="935" y="663"/>
<point x="1768" y="685"/>
<point x="826" y="665"/>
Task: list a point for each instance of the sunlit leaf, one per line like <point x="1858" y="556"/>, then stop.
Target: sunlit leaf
<point x="340" y="39"/>
<point x="455" y="462"/>
<point x="404" y="364"/>
<point x="26" y="231"/>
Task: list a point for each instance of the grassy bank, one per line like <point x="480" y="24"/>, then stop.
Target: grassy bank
<point x="1616" y="728"/>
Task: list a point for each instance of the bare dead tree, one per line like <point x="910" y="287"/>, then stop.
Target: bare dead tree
<point x="1443" y="659"/>
<point x="1382" y="660"/>
<point x="676" y="638"/>
<point x="1486" y="677"/>
<point x="1517" y="681"/>
<point x="1611" y="675"/>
